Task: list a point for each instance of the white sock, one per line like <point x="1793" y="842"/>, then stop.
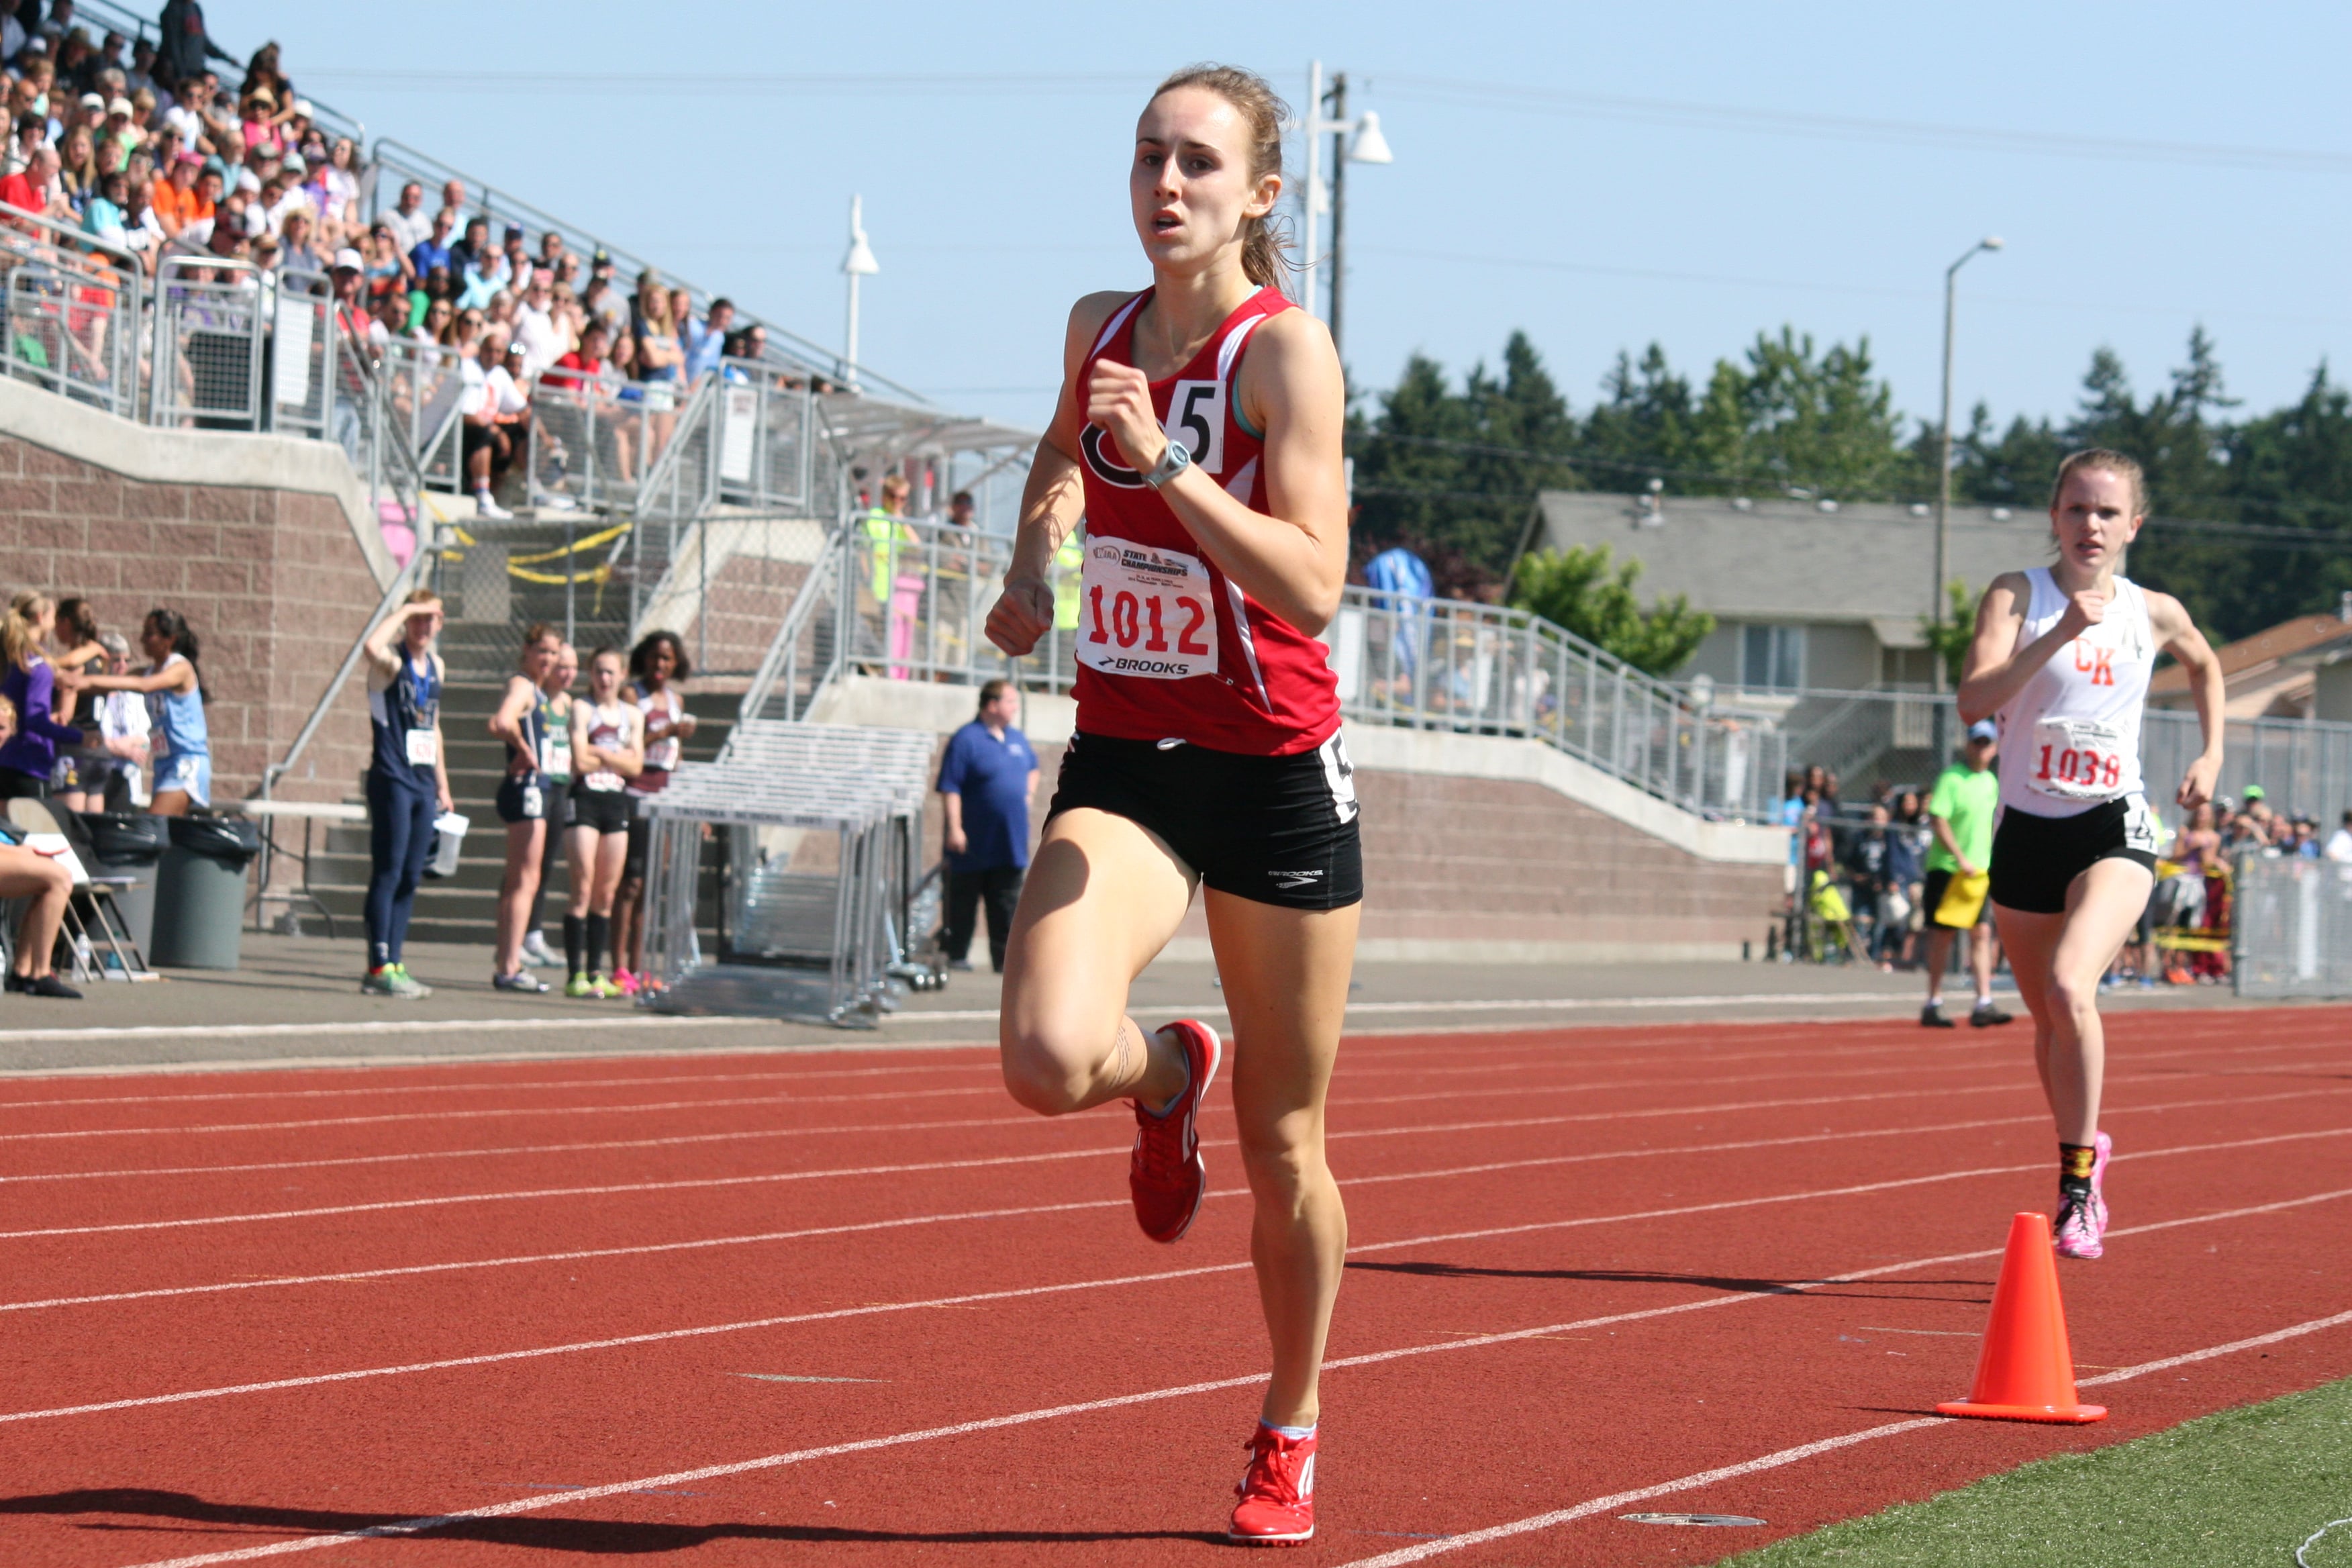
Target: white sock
<point x="1292" y="1433"/>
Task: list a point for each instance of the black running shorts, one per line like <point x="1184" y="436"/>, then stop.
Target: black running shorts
<point x="1275" y="830"/>
<point x="2036" y="858"/>
<point x="523" y="797"/>
<point x="605" y="810"/>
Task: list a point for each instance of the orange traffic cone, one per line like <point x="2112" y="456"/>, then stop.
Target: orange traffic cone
<point x="2026" y="1370"/>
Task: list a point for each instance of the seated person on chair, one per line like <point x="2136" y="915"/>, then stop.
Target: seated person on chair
<point x="45" y="886"/>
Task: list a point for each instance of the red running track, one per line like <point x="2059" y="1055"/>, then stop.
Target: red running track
<point x="849" y="1309"/>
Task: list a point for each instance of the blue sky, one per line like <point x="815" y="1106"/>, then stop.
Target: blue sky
<point x="1601" y="176"/>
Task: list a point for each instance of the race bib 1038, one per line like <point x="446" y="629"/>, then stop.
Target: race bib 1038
<point x="1146" y="612"/>
<point x="2076" y="758"/>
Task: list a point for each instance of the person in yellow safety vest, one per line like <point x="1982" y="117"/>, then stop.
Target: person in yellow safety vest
<point x="896" y="579"/>
<point x="1070" y="564"/>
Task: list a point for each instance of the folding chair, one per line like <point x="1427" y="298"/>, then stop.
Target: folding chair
<point x="92" y="916"/>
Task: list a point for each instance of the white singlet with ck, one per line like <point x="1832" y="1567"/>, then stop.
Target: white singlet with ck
<point x="2070" y="739"/>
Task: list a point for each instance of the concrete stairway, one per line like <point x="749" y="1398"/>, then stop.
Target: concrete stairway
<point x="461" y="908"/>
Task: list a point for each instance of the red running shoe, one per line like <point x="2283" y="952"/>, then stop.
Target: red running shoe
<point x="1277" y="1492"/>
<point x="1166" y="1174"/>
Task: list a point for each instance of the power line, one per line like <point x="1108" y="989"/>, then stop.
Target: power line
<point x="1842" y="127"/>
<point x="743" y="84"/>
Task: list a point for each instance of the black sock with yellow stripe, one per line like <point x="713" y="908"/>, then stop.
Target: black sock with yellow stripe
<point x="2075" y="1164"/>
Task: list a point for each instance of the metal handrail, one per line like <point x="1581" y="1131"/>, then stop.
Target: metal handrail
<point x="911" y="600"/>
<point x="824" y="582"/>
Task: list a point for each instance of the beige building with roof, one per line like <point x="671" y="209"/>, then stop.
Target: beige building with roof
<point x="1806" y="594"/>
<point x="2300" y="668"/>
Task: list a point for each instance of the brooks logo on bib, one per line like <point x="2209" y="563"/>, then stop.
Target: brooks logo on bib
<point x="1146" y="613"/>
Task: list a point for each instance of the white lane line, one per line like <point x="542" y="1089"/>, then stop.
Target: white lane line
<point x="1680" y="1080"/>
<point x="1413" y="1553"/>
<point x="703" y="1331"/>
<point x="484" y="1112"/>
<point x="1436" y="1128"/>
<point x="652" y="1021"/>
<point x="1369" y="1040"/>
<point x="352" y="1274"/>
<point x="683" y="1140"/>
<point x="1404" y="1554"/>
<point x="493" y="1086"/>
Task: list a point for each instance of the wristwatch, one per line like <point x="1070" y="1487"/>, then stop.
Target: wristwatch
<point x="1172" y="462"/>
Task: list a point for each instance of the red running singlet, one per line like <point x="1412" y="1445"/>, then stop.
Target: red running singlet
<point x="1167" y="646"/>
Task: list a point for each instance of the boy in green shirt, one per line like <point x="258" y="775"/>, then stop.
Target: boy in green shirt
<point x="1961" y="811"/>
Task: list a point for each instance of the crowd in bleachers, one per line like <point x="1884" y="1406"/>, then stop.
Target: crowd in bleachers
<point x="176" y="150"/>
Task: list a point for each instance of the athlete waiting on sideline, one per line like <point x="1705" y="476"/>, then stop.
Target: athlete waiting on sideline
<point x="180" y="738"/>
<point x="555" y="729"/>
<point x="43" y="887"/>
<point x="2062" y="653"/>
<point x="407" y="782"/>
<point x="656" y="665"/>
<point x="1198" y="430"/>
<point x="608" y="747"/>
<point x="524" y="797"/>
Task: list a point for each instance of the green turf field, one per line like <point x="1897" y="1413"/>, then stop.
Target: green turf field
<point x="2240" y="1489"/>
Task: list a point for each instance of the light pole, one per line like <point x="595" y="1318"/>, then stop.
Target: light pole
<point x="859" y="263"/>
<point x="1944" y="492"/>
<point x="1355" y="141"/>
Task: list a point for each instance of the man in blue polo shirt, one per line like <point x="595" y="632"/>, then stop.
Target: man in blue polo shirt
<point x="986" y="780"/>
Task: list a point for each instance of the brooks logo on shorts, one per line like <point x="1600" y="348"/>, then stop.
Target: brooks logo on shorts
<point x="1287" y="879"/>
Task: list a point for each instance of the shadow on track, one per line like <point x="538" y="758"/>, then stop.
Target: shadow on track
<point x="1878" y="1292"/>
<point x="592" y="1537"/>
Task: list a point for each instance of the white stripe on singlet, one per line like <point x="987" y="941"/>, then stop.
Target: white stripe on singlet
<point x="1111" y="328"/>
<point x="1238" y="486"/>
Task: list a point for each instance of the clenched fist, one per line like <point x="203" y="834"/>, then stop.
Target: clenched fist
<point x="1118" y="399"/>
<point x="2083" y="611"/>
<point x="1020" y="614"/>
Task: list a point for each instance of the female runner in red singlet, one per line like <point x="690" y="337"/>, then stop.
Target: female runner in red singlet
<point x="1198" y="432"/>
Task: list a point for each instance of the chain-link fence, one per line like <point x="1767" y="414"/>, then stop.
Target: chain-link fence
<point x="2293" y="926"/>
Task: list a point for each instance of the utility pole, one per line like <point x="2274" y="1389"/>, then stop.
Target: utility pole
<point x="859" y="263"/>
<point x="1352" y="141"/>
<point x="1944" y="498"/>
<point x="1337" y="102"/>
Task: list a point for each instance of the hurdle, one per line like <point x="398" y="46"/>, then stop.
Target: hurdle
<point x="819" y="828"/>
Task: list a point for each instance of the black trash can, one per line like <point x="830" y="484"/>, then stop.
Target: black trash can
<point x="129" y="843"/>
<point x="200" y="892"/>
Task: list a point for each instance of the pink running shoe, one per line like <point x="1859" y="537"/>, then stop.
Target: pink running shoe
<point x="626" y="981"/>
<point x="1166" y="1174"/>
<point x="2103" y="1149"/>
<point x="1277" y="1492"/>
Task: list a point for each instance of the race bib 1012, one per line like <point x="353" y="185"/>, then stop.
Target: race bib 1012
<point x="1146" y="612"/>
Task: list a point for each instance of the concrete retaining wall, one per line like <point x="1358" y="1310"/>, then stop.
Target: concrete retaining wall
<point x="1476" y="848"/>
<point x="265" y="544"/>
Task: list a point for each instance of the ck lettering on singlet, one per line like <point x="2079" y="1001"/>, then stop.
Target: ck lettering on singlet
<point x="2098" y="663"/>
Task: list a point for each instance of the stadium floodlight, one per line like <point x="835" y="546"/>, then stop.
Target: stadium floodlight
<point x="859" y="263"/>
<point x="1355" y="141"/>
<point x="1944" y="494"/>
